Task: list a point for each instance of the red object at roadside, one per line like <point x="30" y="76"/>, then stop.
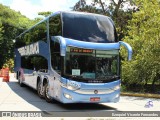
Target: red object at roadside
<point x="5" y="74"/>
<point x="0" y="73"/>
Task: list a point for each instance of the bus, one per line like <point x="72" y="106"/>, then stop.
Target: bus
<point x="71" y="57"/>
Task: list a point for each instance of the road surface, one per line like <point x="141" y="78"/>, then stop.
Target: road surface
<point x="16" y="98"/>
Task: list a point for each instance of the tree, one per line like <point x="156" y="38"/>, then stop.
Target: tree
<point x="1" y="32"/>
<point x="144" y="37"/>
<point x="45" y="14"/>
<point x="96" y="6"/>
<point x="1" y="38"/>
<point x="13" y="23"/>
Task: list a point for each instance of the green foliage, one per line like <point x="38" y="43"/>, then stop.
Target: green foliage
<point x="45" y="14"/>
<point x="12" y="23"/>
<point x="9" y="64"/>
<point x="12" y="18"/>
<point x="144" y="37"/>
<point x="1" y="33"/>
<point x="83" y="7"/>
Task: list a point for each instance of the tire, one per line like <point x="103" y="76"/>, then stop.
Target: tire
<point x="39" y="90"/>
<point x="46" y="95"/>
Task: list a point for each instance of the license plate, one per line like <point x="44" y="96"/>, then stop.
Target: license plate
<point x="95" y="99"/>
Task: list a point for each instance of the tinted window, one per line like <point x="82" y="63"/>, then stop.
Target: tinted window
<point x="55" y="26"/>
<point x="37" y="33"/>
<point x="88" y="27"/>
<point x="55" y="56"/>
<point x="88" y="64"/>
<point x="20" y="42"/>
<point x="34" y="62"/>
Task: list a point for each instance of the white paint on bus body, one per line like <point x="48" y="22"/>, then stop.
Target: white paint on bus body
<point x="29" y="49"/>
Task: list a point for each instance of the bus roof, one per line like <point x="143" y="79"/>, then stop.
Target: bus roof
<point x="85" y="26"/>
<point x="88" y="27"/>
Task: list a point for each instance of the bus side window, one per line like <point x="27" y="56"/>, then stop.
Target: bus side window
<point x="40" y="63"/>
<point x="55" y="29"/>
<point x="34" y="62"/>
<point x="55" y="56"/>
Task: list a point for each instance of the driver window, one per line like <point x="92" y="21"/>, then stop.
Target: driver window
<point x="55" y="56"/>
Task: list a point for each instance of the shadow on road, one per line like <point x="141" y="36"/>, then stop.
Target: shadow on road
<point x="86" y="107"/>
<point x="32" y="98"/>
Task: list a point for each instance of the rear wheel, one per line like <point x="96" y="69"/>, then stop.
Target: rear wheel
<point x="46" y="93"/>
<point x="40" y="90"/>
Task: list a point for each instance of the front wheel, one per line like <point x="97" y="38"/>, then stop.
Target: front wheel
<point x="46" y="94"/>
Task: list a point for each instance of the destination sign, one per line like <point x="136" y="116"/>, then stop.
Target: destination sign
<point x="79" y="50"/>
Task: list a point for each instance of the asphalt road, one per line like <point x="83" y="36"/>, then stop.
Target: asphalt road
<point x="16" y="98"/>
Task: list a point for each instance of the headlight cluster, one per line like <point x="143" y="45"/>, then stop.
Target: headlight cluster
<point x="117" y="87"/>
<point x="72" y="85"/>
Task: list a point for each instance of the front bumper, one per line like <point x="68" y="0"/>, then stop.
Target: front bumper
<point x="74" y="97"/>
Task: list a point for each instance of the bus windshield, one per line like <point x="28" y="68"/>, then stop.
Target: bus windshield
<point x="95" y="28"/>
<point x="88" y="64"/>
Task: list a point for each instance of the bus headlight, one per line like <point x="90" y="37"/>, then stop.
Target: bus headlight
<point x="117" y="87"/>
<point x="72" y="85"/>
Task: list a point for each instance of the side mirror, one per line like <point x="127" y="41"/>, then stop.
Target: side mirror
<point x="128" y="47"/>
<point x="62" y="43"/>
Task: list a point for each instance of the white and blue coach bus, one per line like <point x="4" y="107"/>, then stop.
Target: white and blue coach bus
<point x="71" y="57"/>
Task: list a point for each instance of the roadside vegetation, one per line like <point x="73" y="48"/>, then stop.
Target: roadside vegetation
<point x="137" y="24"/>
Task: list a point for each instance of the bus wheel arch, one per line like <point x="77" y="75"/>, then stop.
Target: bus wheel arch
<point x="46" y="90"/>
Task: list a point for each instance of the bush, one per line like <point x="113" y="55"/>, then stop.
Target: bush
<point x="9" y="64"/>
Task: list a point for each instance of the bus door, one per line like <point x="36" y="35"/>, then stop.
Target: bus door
<point x="56" y="62"/>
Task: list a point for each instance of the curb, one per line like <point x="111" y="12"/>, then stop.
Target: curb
<point x="147" y="95"/>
